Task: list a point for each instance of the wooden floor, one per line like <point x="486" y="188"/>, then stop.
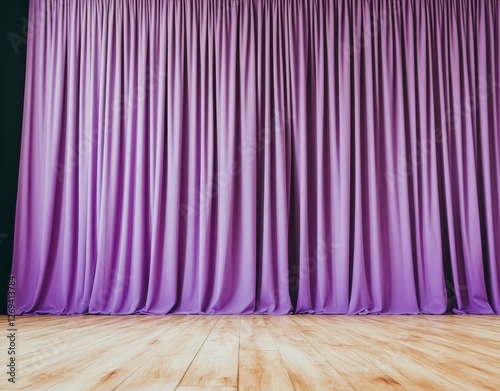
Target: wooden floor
<point x="296" y="352"/>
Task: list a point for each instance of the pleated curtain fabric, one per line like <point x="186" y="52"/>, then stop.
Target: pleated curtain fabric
<point x="260" y="156"/>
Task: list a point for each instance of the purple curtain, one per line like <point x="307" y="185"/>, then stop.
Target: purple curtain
<point x="265" y="156"/>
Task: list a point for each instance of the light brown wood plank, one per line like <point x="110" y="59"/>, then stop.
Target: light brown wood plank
<point x="187" y="388"/>
<point x="254" y="334"/>
<point x="283" y="331"/>
<point x="216" y="365"/>
<point x="300" y="352"/>
<point x="104" y="363"/>
<point x="308" y="370"/>
<point x="263" y="370"/>
<point x="108" y="371"/>
<point x="165" y="364"/>
<point x="361" y="374"/>
<point x="60" y="351"/>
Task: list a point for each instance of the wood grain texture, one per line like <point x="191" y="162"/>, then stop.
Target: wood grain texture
<point x="254" y="352"/>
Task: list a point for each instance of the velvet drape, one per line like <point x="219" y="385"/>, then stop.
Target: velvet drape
<point x="260" y="156"/>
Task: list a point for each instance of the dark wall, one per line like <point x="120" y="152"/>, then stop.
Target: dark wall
<point x="13" y="17"/>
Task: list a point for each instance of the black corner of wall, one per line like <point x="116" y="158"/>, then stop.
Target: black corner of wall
<point x="14" y="25"/>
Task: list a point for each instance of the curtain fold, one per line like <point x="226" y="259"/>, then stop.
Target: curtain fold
<point x="260" y="156"/>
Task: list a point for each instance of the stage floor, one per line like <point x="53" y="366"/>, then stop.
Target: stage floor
<point x="252" y="352"/>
